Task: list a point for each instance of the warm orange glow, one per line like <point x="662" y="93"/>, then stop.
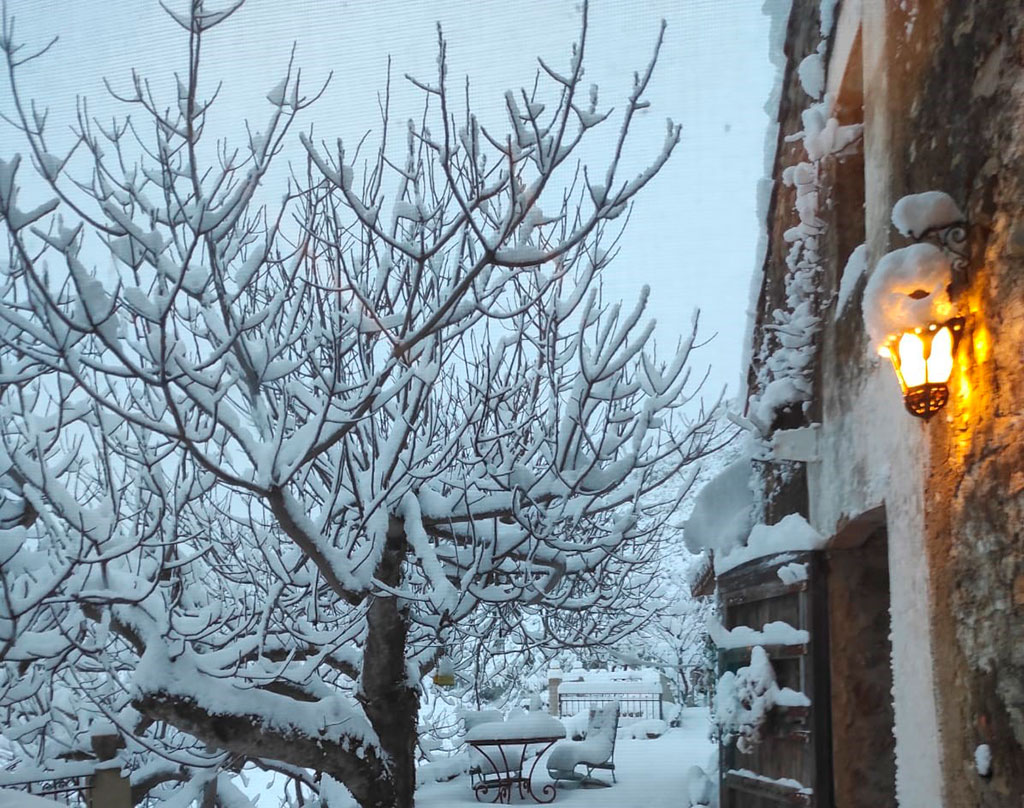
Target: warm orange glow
<point x="912" y="364"/>
<point x="940" y="360"/>
<point x="981" y="344"/>
<point x="965" y="387"/>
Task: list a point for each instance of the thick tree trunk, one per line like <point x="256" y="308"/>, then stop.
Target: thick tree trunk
<point x="390" y="700"/>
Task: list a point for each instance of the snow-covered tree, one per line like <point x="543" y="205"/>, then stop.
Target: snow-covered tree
<point x="675" y="640"/>
<point x="266" y="461"/>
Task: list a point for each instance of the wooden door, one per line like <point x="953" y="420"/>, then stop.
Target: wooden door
<point x="791" y="763"/>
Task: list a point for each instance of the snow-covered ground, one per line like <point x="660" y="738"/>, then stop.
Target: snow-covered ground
<point x="650" y="773"/>
<point x="10" y="798"/>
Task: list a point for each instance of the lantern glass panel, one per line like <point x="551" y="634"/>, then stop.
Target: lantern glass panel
<point x="940" y="360"/>
<point x="912" y="365"/>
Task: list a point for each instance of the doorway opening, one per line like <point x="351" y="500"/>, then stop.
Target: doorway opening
<point x="860" y="660"/>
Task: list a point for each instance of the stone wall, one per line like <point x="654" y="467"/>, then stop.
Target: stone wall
<point x="964" y="133"/>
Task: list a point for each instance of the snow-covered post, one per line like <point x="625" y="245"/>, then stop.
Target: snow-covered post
<point x="554" y="680"/>
<point x="110" y="787"/>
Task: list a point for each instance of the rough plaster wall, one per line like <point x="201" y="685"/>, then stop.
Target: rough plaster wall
<point x="944" y="109"/>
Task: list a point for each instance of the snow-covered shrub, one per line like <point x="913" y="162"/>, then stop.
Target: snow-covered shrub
<point x="744" y="699"/>
<point x="700" y="789"/>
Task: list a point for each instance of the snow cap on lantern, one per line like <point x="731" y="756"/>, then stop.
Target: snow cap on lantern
<point x="909" y="289"/>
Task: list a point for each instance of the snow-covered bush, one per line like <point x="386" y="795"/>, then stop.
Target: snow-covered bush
<point x="700" y="789"/>
<point x="744" y="700"/>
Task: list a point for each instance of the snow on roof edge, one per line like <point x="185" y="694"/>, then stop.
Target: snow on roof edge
<point x="778" y="11"/>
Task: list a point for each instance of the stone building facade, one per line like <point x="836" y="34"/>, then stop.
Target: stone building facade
<point x="924" y="519"/>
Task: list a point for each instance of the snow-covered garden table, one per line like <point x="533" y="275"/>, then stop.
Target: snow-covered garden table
<point x="505" y="747"/>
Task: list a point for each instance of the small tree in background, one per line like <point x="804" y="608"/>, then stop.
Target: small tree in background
<point x="265" y="464"/>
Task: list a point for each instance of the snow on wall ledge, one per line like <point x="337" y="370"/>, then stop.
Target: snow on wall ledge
<point x="778" y="12"/>
<point x="777" y="632"/>
<point x="792" y="533"/>
<point x="785" y="358"/>
<point x="744" y="699"/>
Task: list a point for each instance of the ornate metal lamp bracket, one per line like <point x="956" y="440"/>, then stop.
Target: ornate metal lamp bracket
<point x="953" y="239"/>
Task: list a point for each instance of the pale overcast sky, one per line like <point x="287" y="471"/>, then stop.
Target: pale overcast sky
<point x="694" y="232"/>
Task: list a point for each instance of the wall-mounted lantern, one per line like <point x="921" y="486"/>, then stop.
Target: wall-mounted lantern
<point x="923" y="360"/>
<point x="910" y="297"/>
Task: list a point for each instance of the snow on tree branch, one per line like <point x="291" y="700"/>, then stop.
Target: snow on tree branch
<point x="264" y="462"/>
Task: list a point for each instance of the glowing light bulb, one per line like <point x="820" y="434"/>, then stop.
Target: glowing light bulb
<point x="912" y="364"/>
<point x="940" y="361"/>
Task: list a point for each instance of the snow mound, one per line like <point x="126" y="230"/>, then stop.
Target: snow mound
<point x="447" y="768"/>
<point x="648" y="728"/>
<point x="856" y="264"/>
<point x="915" y="214"/>
<point x="531" y="726"/>
<point x="983" y="760"/>
<point x="777" y="632"/>
<point x="569" y="755"/>
<point x="811" y="72"/>
<point x="908" y="289"/>
<point x="744" y="699"/>
<point x="473" y="718"/>
<point x="791" y="573"/>
<point x="699" y="788"/>
<point x="576" y="725"/>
